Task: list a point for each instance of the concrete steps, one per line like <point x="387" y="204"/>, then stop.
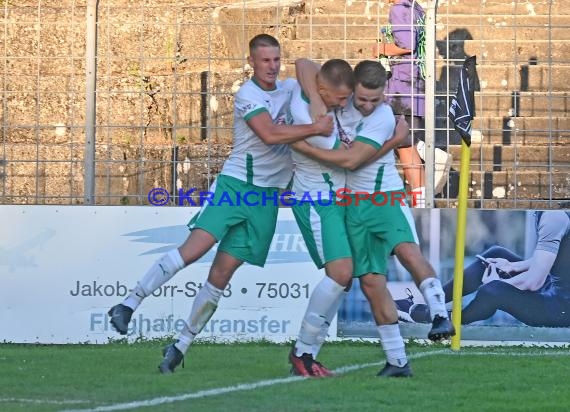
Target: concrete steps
<point x="366" y="27"/>
<point x="468" y="7"/>
<point x="494" y="79"/>
<point x="504" y="26"/>
<point x="509" y="51"/>
<point x="527" y="104"/>
<point x="531" y="184"/>
<point x="522" y="76"/>
<point x="513" y="172"/>
<point x="536" y="131"/>
<point x="500" y="7"/>
<point x="513" y="131"/>
<point x="488" y="52"/>
<point x="535" y="204"/>
<point x="522" y="51"/>
<point x="497" y="157"/>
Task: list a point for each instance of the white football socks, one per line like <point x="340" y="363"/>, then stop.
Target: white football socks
<point x="393" y="344"/>
<point x="204" y="306"/>
<point x="434" y="296"/>
<point x="421" y="148"/>
<point x="329" y="316"/>
<point x="159" y="273"/>
<point x="324" y="295"/>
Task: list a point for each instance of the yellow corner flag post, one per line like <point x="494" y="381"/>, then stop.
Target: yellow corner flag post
<point x="461" y="113"/>
<point x="460" y="243"/>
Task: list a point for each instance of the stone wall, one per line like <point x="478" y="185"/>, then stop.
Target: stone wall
<point x="167" y="70"/>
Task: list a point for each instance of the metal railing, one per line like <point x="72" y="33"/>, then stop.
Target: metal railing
<point x="99" y="111"/>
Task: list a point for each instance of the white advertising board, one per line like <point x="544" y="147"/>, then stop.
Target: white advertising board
<point x="63" y="267"/>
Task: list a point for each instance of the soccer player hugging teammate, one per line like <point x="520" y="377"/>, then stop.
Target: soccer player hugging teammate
<point x="321" y="220"/>
<point x="375" y="232"/>
<point x="260" y="162"/>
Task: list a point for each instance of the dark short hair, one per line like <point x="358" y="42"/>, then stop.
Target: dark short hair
<point x="262" y="40"/>
<point x="337" y="72"/>
<point x="370" y="74"/>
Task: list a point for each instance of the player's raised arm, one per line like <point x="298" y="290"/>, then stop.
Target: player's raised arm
<point x="306" y="71"/>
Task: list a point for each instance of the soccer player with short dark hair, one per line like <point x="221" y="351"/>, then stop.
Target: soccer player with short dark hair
<point x="375" y="231"/>
<point x="320" y="219"/>
<point x="260" y="162"/>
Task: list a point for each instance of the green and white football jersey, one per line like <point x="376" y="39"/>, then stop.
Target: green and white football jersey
<point x="311" y="176"/>
<point x="382" y="174"/>
<point x="251" y="160"/>
<point x="347" y="119"/>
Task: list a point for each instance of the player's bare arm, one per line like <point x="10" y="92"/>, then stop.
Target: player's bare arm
<point x="512" y="268"/>
<point x="359" y="154"/>
<point x="529" y="274"/>
<point x="352" y="158"/>
<point x="272" y="133"/>
<point x="306" y="71"/>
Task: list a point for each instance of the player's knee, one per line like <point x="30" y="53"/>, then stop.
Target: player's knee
<point x="344" y="277"/>
<point x="220" y="275"/>
<point x="187" y="254"/>
<point x="492" y="290"/>
<point x="340" y="271"/>
<point x="370" y="284"/>
<point x="408" y="252"/>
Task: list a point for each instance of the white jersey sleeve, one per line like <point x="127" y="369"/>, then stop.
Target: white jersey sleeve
<point x="382" y="174"/>
<point x="251" y="160"/>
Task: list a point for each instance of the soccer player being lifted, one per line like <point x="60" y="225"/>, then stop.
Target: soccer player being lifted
<point x="321" y="220"/>
<point x="375" y="232"/>
<point x="260" y="162"/>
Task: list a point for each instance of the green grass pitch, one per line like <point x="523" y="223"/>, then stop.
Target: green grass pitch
<point x="255" y="377"/>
